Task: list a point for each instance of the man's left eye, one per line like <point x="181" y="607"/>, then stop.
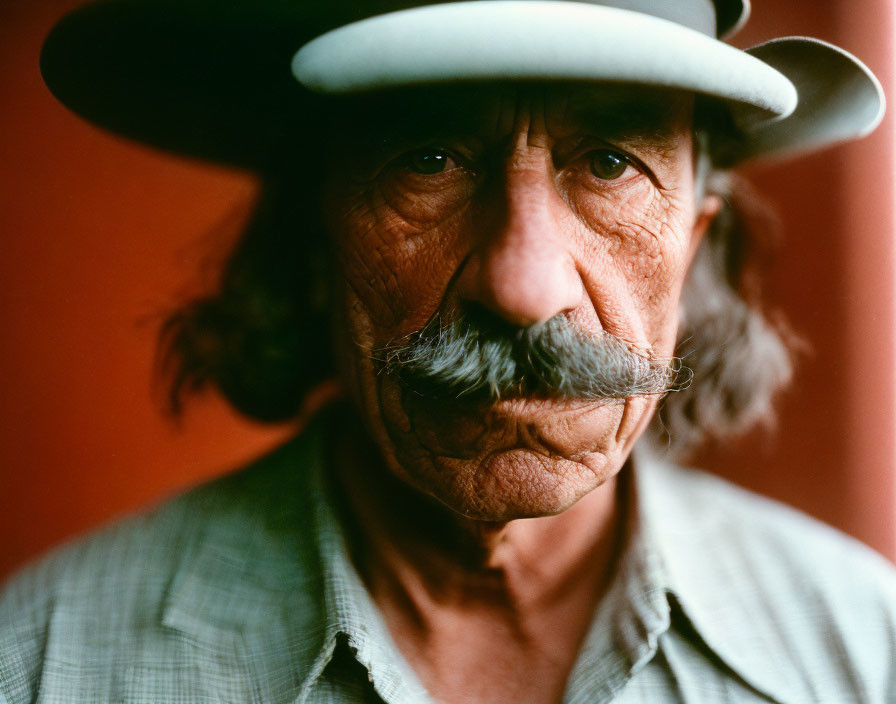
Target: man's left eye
<point x="429" y="161"/>
<point x="607" y="164"/>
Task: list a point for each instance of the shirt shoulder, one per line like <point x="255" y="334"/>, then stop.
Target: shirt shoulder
<point x="786" y="599"/>
<point x="91" y="619"/>
<point x="758" y="530"/>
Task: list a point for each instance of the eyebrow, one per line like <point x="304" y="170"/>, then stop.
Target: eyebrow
<point x="630" y="123"/>
<point x="417" y="117"/>
<point x="648" y="120"/>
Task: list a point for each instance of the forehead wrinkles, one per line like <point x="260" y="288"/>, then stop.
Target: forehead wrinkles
<point x="649" y="117"/>
<point x="521" y="118"/>
<point x="657" y="113"/>
<point x="492" y="113"/>
<point x="652" y="118"/>
<point x="647" y="120"/>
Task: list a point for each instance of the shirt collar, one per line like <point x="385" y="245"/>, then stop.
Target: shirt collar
<point x="350" y="611"/>
<point x="631" y="616"/>
<point x="703" y="574"/>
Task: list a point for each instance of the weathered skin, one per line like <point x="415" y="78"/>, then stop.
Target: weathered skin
<point x="532" y="235"/>
<point x="519" y="223"/>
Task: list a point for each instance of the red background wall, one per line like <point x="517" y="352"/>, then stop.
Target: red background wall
<point x="100" y="237"/>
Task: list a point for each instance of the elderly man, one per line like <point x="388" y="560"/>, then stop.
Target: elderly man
<point x="500" y="225"/>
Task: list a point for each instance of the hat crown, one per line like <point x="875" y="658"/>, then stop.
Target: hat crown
<point x="715" y="18"/>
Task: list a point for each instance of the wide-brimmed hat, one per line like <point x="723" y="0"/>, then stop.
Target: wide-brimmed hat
<point x="233" y="80"/>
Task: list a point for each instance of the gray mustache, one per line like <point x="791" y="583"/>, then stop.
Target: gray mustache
<point x="480" y="357"/>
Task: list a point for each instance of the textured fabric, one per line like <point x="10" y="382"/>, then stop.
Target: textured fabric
<point x="242" y="591"/>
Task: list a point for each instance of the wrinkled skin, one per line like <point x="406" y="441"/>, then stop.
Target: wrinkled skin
<point x="518" y="221"/>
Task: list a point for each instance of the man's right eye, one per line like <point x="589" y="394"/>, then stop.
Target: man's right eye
<point x="430" y="161"/>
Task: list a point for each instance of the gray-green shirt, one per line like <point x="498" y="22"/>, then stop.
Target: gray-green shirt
<point x="242" y="591"/>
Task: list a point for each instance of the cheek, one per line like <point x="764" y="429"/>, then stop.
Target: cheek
<point x="394" y="260"/>
<point x="634" y="243"/>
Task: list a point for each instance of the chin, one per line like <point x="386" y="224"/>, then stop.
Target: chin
<point x="514" y="458"/>
<point x="514" y="484"/>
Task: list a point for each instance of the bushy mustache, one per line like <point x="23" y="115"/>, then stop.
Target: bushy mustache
<point x="480" y="357"/>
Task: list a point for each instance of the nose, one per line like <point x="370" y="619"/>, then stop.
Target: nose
<point x="521" y="266"/>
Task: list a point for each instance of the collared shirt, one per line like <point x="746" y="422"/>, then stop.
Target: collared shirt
<point x="242" y="591"/>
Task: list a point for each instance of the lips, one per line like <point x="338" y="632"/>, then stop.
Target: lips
<point x="464" y="429"/>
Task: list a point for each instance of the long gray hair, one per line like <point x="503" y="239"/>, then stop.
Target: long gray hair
<point x="741" y="355"/>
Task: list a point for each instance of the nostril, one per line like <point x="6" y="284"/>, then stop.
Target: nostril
<point x="483" y="318"/>
<point x="522" y="293"/>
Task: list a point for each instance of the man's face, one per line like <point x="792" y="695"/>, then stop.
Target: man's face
<point x="520" y="204"/>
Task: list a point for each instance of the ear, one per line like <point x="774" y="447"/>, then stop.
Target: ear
<point x="708" y="209"/>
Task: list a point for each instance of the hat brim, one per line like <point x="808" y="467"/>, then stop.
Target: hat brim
<point x="536" y="40"/>
<point x="839" y="99"/>
<point x="212" y="79"/>
<point x="785" y="97"/>
<point x="205" y="78"/>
